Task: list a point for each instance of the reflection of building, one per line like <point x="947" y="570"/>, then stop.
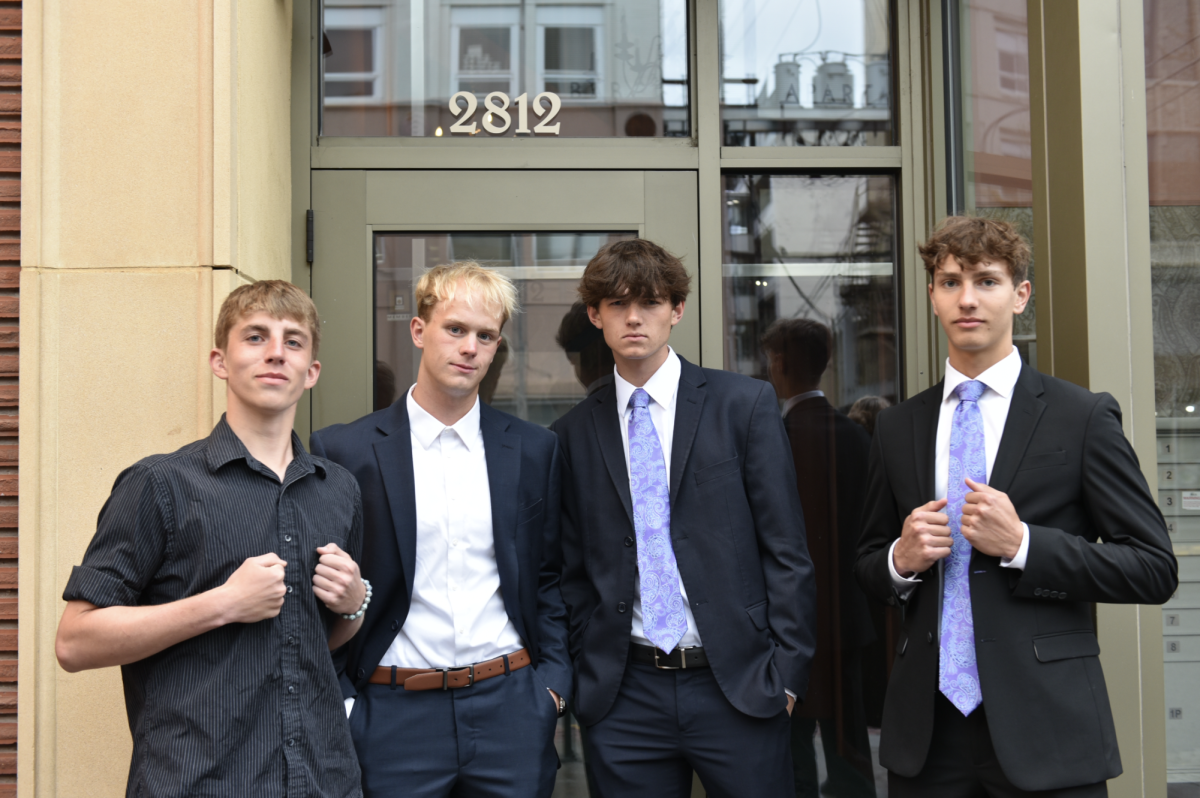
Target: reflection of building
<point x="392" y="66"/>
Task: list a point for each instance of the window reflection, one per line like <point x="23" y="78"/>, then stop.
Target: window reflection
<point x="549" y="353"/>
<point x="619" y="68"/>
<point x="806" y="73"/>
<point x="810" y="304"/>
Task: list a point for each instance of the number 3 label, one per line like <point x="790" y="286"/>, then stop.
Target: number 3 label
<point x="496" y="117"/>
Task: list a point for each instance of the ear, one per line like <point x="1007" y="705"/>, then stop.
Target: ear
<point x="677" y="313"/>
<point x="314" y="371"/>
<point x="932" y="304"/>
<point x="1024" y="291"/>
<point x="594" y="317"/>
<point x="417" y="328"/>
<point x="216" y="361"/>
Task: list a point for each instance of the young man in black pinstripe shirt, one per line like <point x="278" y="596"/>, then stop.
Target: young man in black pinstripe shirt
<point x="221" y="576"/>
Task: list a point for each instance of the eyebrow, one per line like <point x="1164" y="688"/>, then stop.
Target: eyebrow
<point x="288" y="332"/>
<point x="457" y="323"/>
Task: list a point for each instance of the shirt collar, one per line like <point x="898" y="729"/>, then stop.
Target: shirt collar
<point x="224" y="446"/>
<point x="1001" y="378"/>
<point x="792" y="401"/>
<point x="661" y="386"/>
<point x="426" y="429"/>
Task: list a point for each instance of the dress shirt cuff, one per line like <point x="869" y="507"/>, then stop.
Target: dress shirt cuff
<point x="903" y="585"/>
<point x="1018" y="562"/>
<point x="790" y="694"/>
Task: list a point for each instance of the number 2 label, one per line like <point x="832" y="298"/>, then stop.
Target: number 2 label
<point x="496" y="117"/>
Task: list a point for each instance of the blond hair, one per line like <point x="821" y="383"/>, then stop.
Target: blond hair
<point x="441" y="283"/>
<point x="277" y="298"/>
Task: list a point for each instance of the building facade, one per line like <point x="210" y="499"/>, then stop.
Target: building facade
<point x="792" y="153"/>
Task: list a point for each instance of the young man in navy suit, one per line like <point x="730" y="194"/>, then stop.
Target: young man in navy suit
<point x="987" y="498"/>
<point x="686" y="573"/>
<point x="456" y="681"/>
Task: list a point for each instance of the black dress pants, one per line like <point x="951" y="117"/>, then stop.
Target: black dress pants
<point x="962" y="764"/>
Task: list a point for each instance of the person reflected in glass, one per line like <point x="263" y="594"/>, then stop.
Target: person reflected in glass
<point x="830" y="454"/>
<point x="385" y="385"/>
<point x="864" y="411"/>
<point x="585" y="347"/>
<point x="491" y="380"/>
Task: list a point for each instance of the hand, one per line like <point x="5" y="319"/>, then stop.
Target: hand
<point x="255" y="591"/>
<point x="792" y="705"/>
<point x="554" y="698"/>
<point x="924" y="540"/>
<point x="337" y="581"/>
<point x="990" y="522"/>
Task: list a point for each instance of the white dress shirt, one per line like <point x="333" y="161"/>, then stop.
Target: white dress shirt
<point x="1001" y="381"/>
<point x="457" y="614"/>
<point x="797" y="399"/>
<point x="663" y="388"/>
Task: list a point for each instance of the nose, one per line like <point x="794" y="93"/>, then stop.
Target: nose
<point x="275" y="349"/>
<point x="469" y="345"/>
<point x="968" y="298"/>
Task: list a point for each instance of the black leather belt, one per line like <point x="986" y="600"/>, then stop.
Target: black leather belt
<point x="678" y="660"/>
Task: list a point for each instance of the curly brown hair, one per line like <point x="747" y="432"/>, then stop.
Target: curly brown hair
<point x="973" y="240"/>
<point x="637" y="269"/>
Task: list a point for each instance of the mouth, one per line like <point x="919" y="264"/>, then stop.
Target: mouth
<point x="968" y="323"/>
<point x="463" y="368"/>
<point x="635" y="337"/>
<point x="273" y="378"/>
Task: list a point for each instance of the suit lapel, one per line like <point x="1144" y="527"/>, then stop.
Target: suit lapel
<point x="1024" y="412"/>
<point x="502" y="451"/>
<point x="607" y="424"/>
<point x="394" y="455"/>
<point x="925" y="440"/>
<point x="689" y="401"/>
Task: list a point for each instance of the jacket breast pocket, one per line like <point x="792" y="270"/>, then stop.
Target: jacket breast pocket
<point x="717" y="470"/>
<point x="1045" y="460"/>
<point x="1065" y="645"/>
<point x="530" y="512"/>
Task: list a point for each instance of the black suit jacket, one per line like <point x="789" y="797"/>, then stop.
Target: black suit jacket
<point x="1073" y="478"/>
<point x="524" y="467"/>
<point x="736" y="527"/>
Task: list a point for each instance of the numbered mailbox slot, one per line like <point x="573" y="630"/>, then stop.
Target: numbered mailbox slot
<point x="1180" y="621"/>
<point x="1184" y="530"/>
<point x="1178" y="448"/>
<point x="1179" y="503"/>
<point x="1183" y="476"/>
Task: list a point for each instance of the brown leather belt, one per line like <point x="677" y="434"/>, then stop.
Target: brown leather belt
<point x="450" y="678"/>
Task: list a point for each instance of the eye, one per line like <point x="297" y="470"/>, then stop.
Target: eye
<point x="949" y="283"/>
<point x="485" y="336"/>
<point x="989" y="283"/>
<point x="292" y="342"/>
<point x="455" y="329"/>
<point x="254" y="338"/>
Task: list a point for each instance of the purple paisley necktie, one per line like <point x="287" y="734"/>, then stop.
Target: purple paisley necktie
<point x="663" y="620"/>
<point x="958" y="677"/>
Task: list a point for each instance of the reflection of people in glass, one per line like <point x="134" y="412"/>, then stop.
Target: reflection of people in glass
<point x="830" y="453"/>
<point x="585" y="347"/>
<point x="864" y="411"/>
<point x="487" y="387"/>
<point x="385" y="385"/>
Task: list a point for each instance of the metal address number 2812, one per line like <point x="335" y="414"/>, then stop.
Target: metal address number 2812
<point x="495" y="111"/>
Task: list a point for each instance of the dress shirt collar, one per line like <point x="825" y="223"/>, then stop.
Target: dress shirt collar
<point x="661" y="387"/>
<point x="224" y="446"/>
<point x="1001" y="378"/>
<point x="792" y="401"/>
<point x="426" y="428"/>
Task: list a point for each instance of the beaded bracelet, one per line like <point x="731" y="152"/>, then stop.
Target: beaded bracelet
<point x="363" y="608"/>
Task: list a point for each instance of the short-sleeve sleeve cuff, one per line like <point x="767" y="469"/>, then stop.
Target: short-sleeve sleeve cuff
<point x="96" y="587"/>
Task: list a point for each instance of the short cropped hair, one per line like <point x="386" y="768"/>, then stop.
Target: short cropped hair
<point x="441" y="283"/>
<point x="637" y="269"/>
<point x="973" y="240"/>
<point x="277" y="298"/>
<point x="803" y="346"/>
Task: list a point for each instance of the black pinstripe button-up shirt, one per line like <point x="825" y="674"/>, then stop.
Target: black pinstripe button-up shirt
<point x="246" y="709"/>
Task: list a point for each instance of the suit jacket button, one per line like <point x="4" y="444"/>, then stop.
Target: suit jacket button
<point x="628" y="541"/>
<point x="395" y="626"/>
<point x="1037" y="591"/>
<point x="621" y="607"/>
<point x="929" y="637"/>
<point x="361" y="673"/>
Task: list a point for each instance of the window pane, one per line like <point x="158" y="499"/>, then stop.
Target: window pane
<point x="350" y="88"/>
<point x="806" y="74"/>
<point x="1172" y="36"/>
<point x="992" y="173"/>
<point x="618" y="71"/>
<point x="549" y="353"/>
<point x="810" y="305"/>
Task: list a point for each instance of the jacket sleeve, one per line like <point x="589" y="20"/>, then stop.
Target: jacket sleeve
<point x="1135" y="564"/>
<point x="554" y="664"/>
<point x="770" y="483"/>
<point x="882" y="524"/>
<point x="577" y="590"/>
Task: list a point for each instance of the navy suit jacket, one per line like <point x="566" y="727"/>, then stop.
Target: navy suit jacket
<point x="736" y="527"/>
<point x="524" y="474"/>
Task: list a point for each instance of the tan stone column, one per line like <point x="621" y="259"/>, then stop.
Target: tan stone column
<point x="156" y="177"/>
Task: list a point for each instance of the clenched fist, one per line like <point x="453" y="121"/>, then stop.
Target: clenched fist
<point x="337" y="581"/>
<point x="255" y="591"/>
<point x="924" y="540"/>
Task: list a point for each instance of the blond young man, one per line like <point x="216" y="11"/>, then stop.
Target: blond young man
<point x="222" y="574"/>
<point x="461" y="671"/>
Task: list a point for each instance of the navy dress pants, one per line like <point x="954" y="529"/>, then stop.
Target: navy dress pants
<point x="494" y="739"/>
<point x="665" y="724"/>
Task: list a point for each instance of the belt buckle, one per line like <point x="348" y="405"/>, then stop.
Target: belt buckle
<point x="682" y="666"/>
<point x="470" y="669"/>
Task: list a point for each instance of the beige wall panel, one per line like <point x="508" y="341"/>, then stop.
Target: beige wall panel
<point x="118" y="367"/>
<point x="672" y="225"/>
<point x="263" y="167"/>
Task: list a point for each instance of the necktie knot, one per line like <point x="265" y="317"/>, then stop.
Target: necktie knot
<point x="969" y="391"/>
<point x="639" y="399"/>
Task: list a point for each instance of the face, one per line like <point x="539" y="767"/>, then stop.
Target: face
<point x="636" y="329"/>
<point x="976" y="305"/>
<point x="267" y="363"/>
<point x="457" y="346"/>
